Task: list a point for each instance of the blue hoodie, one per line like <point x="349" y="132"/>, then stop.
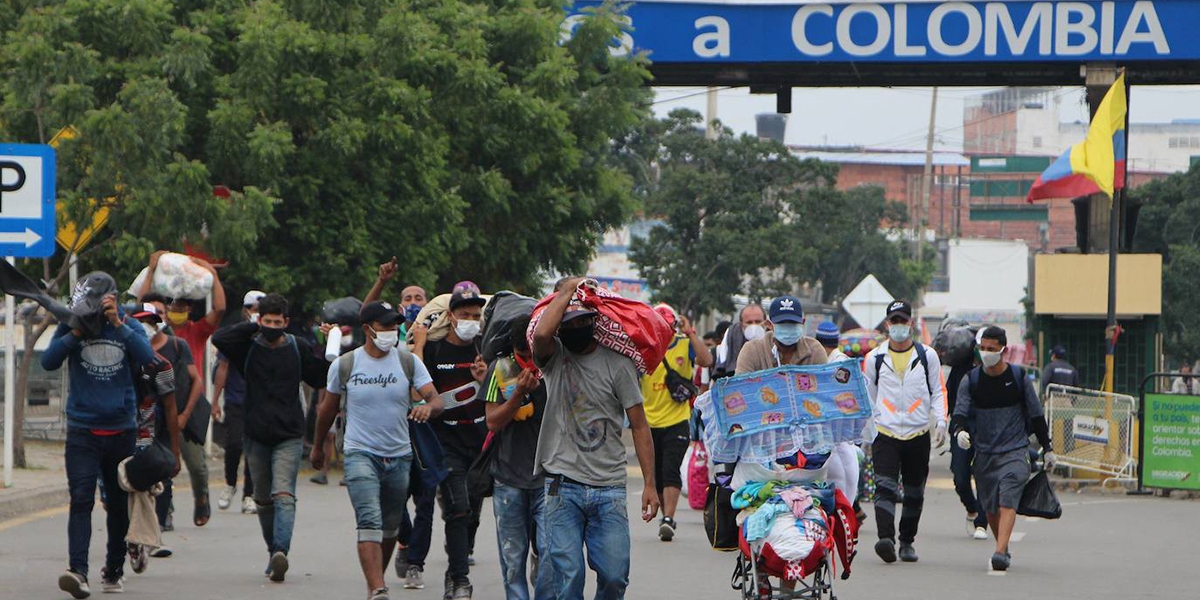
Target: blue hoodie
<point x="101" y="370"/>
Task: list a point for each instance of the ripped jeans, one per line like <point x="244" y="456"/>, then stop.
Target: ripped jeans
<point x="518" y="530"/>
<point x="274" y="469"/>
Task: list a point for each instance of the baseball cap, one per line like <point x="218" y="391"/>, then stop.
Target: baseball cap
<point x="147" y="312"/>
<point x="666" y="312"/>
<point x="89" y="292"/>
<point x="827" y="331"/>
<point x="899" y="307"/>
<point x="378" y="311"/>
<point x="577" y="313"/>
<point x="786" y="309"/>
<point x="252" y="297"/>
<point x="465" y="297"/>
<point x="1059" y="351"/>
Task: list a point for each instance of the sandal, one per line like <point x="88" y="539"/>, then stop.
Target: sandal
<point x="202" y="512"/>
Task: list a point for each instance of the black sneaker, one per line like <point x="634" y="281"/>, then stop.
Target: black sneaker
<point x="463" y="590"/>
<point x="1000" y="562"/>
<point x="666" y="529"/>
<point x="111" y="585"/>
<point x="886" y="549"/>
<point x="137" y="558"/>
<point x="908" y="553"/>
<point x="277" y="567"/>
<point x="74" y="584"/>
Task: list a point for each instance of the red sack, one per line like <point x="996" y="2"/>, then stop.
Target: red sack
<point x="625" y="326"/>
<point x="845" y="532"/>
<point x="698" y="476"/>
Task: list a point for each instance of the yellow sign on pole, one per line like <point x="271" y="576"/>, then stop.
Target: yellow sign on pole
<point x="70" y="236"/>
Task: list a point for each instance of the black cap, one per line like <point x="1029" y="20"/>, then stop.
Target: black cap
<point x="466" y="297"/>
<point x="89" y="291"/>
<point x="577" y="312"/>
<point x="379" y="312"/>
<point x="1059" y="351"/>
<point x="899" y="307"/>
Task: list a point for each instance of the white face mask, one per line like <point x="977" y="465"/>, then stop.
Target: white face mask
<point x="899" y="333"/>
<point x="754" y="332"/>
<point x="467" y="330"/>
<point x="254" y="317"/>
<point x="347" y="341"/>
<point x="149" y="329"/>
<point x="386" y="340"/>
<point x="990" y="359"/>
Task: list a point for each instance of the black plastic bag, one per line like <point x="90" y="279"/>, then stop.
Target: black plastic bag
<point x="152" y="464"/>
<point x="343" y="311"/>
<point x="955" y="345"/>
<point x="479" y="475"/>
<point x="1038" y="499"/>
<point x="498" y="315"/>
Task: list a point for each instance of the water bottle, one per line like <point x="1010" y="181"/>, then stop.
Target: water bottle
<point x="333" y="344"/>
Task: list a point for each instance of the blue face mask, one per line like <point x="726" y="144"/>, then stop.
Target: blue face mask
<point x="411" y="312"/>
<point x="788" y="333"/>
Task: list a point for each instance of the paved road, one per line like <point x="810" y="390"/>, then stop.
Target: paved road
<point x="1104" y="547"/>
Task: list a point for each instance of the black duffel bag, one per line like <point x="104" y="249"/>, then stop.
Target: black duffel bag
<point x="152" y="464"/>
<point x="720" y="518"/>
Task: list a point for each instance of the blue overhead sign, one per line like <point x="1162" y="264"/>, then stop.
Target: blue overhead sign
<point x="765" y="31"/>
<point x="26" y="200"/>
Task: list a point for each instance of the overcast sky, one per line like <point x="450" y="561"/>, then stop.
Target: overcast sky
<point x="899" y="117"/>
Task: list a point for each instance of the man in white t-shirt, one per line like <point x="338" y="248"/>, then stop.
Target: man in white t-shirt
<point x="378" y="451"/>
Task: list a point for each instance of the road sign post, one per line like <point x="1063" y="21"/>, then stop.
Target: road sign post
<point x="27" y="228"/>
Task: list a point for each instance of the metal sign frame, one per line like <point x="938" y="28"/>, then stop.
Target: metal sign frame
<point x="1141" y="488"/>
<point x="21" y="235"/>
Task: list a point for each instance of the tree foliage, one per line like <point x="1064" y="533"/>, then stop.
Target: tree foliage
<point x="743" y="216"/>
<point x="1167" y="225"/>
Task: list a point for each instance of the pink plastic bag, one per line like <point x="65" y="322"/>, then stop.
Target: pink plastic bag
<point x="698" y="476"/>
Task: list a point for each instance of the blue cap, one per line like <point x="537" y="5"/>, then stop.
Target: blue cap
<point x="786" y="309"/>
<point x="827" y="331"/>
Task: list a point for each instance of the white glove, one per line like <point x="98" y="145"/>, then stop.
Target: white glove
<point x="964" y="440"/>
<point x="939" y="436"/>
<point x="1050" y="460"/>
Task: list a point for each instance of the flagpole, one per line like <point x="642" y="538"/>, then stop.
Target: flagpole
<point x="1114" y="238"/>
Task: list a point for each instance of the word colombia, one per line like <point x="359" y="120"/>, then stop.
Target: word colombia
<point x="1016" y="30"/>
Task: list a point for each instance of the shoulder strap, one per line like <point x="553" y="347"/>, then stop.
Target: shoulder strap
<point x="878" y="367"/>
<point x="973" y="381"/>
<point x="408" y="363"/>
<point x="920" y="350"/>
<point x="345" y="368"/>
<point x="299" y="361"/>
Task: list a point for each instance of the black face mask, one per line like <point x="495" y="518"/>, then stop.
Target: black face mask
<point x="271" y="334"/>
<point x="576" y="339"/>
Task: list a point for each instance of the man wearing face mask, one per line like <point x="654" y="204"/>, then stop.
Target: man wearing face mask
<point x="457" y="370"/>
<point x="1005" y="409"/>
<point x="188" y="386"/>
<point x="590" y="390"/>
<point x="785" y="344"/>
<point x="274" y="364"/>
<point x="196" y="333"/>
<point x="752" y="325"/>
<point x="372" y="385"/>
<point x="232" y="413"/>
<point x="904" y="380"/>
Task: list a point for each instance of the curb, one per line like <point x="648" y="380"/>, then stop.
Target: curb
<point x="19" y="504"/>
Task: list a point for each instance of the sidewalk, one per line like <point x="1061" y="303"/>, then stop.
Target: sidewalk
<point x="42" y="485"/>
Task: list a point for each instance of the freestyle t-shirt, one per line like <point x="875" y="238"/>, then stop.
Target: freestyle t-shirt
<point x="586" y="399"/>
<point x="377" y="400"/>
<point x="462" y="426"/>
<point x="516" y="451"/>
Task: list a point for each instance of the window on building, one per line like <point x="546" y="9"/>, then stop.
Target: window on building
<point x="1173" y="142"/>
<point x="1037" y="141"/>
<point x="1196" y="142"/>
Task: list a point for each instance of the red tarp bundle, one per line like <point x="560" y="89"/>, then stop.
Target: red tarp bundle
<point x="625" y="326"/>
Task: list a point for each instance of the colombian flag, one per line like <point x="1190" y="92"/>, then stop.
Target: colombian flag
<point x="1095" y="165"/>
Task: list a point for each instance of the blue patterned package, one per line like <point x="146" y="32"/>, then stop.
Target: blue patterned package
<point x="833" y="395"/>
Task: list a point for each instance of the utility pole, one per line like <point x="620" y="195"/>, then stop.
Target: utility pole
<point x="926" y="181"/>
<point x="710" y="114"/>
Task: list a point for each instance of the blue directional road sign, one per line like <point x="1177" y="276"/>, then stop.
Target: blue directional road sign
<point x="27" y="224"/>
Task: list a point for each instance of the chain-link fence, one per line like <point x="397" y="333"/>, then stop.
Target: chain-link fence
<point x="1093" y="430"/>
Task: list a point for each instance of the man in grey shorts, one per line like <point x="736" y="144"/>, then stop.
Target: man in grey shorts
<point x="1006" y="410"/>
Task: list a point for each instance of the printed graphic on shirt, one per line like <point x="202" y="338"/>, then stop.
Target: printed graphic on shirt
<point x="102" y="358"/>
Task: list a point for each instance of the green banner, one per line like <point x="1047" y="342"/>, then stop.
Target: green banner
<point x="1171" y="450"/>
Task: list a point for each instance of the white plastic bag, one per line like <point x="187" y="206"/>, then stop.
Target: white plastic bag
<point x="177" y="276"/>
<point x="683" y="469"/>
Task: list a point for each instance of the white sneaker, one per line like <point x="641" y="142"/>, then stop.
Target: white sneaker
<point x="111" y="585"/>
<point x="980" y="534"/>
<point x="970" y="526"/>
<point x="248" y="506"/>
<point x="226" y="497"/>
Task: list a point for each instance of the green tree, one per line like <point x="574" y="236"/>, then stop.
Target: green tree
<point x="1168" y="225"/>
<point x="743" y="216"/>
<point x="105" y="69"/>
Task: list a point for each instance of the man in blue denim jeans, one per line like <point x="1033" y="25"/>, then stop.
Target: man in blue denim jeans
<point x="516" y="400"/>
<point x="589" y="392"/>
<point x="378" y="451"/>
<point x="103" y="356"/>
<point x="274" y="364"/>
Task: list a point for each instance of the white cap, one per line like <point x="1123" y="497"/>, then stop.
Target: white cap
<point x="252" y="297"/>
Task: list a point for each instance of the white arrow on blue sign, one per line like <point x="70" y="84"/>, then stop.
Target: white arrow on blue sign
<point x="27" y="215"/>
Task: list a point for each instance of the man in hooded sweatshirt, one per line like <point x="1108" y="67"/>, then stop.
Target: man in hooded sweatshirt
<point x="103" y="354"/>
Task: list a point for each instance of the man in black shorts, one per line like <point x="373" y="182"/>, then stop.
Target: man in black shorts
<point x="1006" y="410"/>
